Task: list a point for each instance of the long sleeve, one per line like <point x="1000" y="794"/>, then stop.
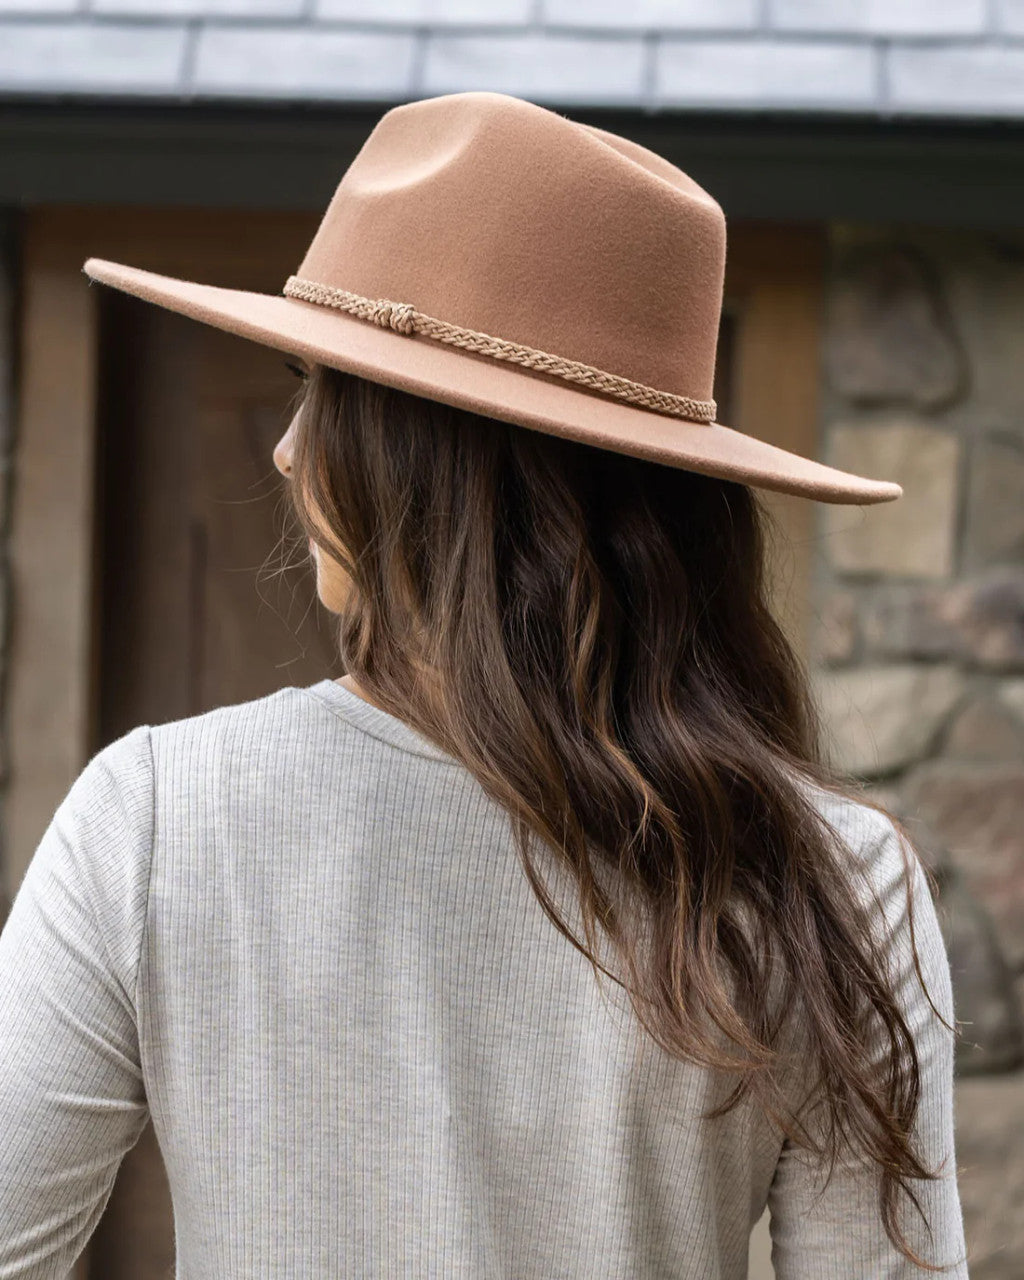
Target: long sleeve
<point x="71" y="1091"/>
<point x="840" y="1236"/>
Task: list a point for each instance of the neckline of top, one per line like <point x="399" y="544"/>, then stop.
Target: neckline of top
<point x="375" y="720"/>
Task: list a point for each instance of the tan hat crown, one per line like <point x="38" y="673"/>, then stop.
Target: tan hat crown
<point x="499" y="217"/>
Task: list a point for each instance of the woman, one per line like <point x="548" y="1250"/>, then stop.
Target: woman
<point x="543" y="943"/>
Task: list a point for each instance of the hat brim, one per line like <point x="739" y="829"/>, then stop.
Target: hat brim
<point x="510" y="393"/>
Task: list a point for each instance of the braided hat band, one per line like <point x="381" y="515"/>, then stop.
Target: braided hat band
<point x="402" y="317"/>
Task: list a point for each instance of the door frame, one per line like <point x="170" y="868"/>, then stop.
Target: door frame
<point x="52" y="686"/>
<point x="775" y="284"/>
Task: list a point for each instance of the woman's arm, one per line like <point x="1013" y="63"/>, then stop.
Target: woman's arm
<point x="71" y="1093"/>
<point x="840" y="1236"/>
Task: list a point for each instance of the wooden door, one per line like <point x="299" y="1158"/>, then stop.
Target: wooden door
<point x="162" y="522"/>
<point x="205" y="595"/>
<point x="202" y="599"/>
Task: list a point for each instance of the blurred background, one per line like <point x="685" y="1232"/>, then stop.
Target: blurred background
<point x="868" y="156"/>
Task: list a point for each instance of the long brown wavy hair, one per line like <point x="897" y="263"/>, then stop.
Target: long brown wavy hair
<point x="589" y="634"/>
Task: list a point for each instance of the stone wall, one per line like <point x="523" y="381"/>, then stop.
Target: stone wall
<point x="919" y="650"/>
<point x="7" y="361"/>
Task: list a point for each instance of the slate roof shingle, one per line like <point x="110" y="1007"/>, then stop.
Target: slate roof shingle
<point x="881" y="58"/>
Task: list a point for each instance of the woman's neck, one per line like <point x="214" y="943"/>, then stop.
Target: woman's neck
<point x="349" y="683"/>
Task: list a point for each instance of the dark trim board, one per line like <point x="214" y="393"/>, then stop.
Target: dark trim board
<point x="777" y="165"/>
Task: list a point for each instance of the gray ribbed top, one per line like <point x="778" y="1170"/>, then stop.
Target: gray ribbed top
<point x="298" y="935"/>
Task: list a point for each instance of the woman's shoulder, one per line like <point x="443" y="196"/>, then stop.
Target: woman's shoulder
<point x="868" y="841"/>
<point x="232" y="717"/>
<point x="130" y="764"/>
<point x="887" y="873"/>
<point x="855" y="819"/>
<point x="242" y="731"/>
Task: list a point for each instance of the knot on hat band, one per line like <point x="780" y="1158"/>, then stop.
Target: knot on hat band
<point x="402" y="317"/>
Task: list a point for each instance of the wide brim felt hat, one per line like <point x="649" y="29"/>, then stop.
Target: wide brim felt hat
<point x="488" y="253"/>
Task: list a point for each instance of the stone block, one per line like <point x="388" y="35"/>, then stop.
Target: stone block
<point x="1011" y="693"/>
<point x="983" y="275"/>
<point x="889" y="334"/>
<point x="995" y="512"/>
<point x="990" y="1174"/>
<point x="914" y="535"/>
<point x="765" y="71"/>
<point x="270" y="62"/>
<point x="987" y="613"/>
<point x="985" y="997"/>
<point x="881" y="718"/>
<point x="979" y="621"/>
<point x="540" y="65"/>
<point x="837" y="628"/>
<point x="985" y="729"/>
<point x="977" y="811"/>
<point x="905" y="620"/>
